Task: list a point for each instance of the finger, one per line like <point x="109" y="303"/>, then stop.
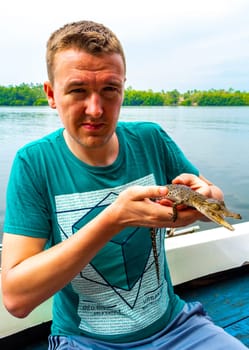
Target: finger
<point x="165" y="202"/>
<point x="141" y="192"/>
<point x="186" y="179"/>
<point x="186" y="217"/>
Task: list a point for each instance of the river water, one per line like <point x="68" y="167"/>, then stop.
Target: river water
<point x="215" y="139"/>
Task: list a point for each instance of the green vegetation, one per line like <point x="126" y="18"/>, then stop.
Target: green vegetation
<point x="190" y="98"/>
<point x="33" y="95"/>
<point x="23" y="95"/>
<point x="215" y="98"/>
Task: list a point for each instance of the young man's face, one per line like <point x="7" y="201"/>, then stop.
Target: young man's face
<point x="88" y="93"/>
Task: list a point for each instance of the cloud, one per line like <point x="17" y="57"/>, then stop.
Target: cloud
<point x="169" y="44"/>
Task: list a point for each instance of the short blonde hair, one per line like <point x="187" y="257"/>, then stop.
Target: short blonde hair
<point x="92" y="37"/>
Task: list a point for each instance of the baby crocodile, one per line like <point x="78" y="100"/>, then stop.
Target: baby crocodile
<point x="213" y="209"/>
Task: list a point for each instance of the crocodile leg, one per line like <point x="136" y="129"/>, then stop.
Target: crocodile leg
<point x="174" y="208"/>
<point x="153" y="232"/>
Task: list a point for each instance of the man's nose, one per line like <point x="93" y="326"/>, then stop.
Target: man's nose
<point x="94" y="105"/>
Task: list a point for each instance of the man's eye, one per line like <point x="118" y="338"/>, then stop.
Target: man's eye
<point x="110" y="88"/>
<point x="78" y="90"/>
<point x="110" y="91"/>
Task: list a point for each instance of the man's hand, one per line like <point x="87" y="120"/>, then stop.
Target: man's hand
<point x="199" y="184"/>
<point x="134" y="207"/>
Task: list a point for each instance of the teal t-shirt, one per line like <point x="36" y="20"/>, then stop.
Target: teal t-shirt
<point x="51" y="194"/>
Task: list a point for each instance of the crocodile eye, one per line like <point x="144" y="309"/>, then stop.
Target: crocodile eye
<point x="215" y="206"/>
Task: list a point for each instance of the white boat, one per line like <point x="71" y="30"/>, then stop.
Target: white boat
<point x="191" y="255"/>
<point x="202" y="253"/>
<point x="10" y="325"/>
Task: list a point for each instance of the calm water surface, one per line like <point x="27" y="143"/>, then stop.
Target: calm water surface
<point x="215" y="139"/>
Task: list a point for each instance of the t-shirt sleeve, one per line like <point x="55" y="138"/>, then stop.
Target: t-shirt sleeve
<point x="27" y="210"/>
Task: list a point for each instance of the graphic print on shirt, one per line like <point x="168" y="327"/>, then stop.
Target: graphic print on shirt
<point x="118" y="290"/>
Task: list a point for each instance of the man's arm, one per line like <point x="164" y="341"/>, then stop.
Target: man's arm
<point x="30" y="274"/>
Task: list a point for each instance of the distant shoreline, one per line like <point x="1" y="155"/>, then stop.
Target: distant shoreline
<point x="33" y="95"/>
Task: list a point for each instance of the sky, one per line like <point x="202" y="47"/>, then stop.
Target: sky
<point x="169" y="44"/>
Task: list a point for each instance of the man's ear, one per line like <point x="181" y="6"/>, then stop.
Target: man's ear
<point x="50" y="94"/>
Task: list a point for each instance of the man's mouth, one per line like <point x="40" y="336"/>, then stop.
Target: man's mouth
<point x="93" y="126"/>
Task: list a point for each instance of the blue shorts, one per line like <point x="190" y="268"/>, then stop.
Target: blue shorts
<point x="192" y="329"/>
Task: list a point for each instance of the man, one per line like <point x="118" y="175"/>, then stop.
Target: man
<point x="79" y="212"/>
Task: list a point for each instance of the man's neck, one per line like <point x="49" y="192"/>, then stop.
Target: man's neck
<point x="99" y="156"/>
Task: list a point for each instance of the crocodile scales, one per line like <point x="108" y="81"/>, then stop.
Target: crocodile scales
<point x="213" y="209"/>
